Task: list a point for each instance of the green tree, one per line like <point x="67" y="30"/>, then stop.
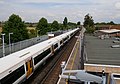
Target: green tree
<point x="111" y="23"/>
<point x="17" y="26"/>
<point x="72" y="25"/>
<point x="78" y="24"/>
<point x="42" y="26"/>
<point x="61" y="26"/>
<point x="106" y="23"/>
<point x="65" y="23"/>
<point x="89" y="23"/>
<point x="55" y="26"/>
<point x="32" y="33"/>
<point x="49" y="27"/>
<point x="0" y="24"/>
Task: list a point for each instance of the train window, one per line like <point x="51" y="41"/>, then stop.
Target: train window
<point x="47" y="52"/>
<point x="56" y="45"/>
<point x="93" y="83"/>
<point x="117" y="76"/>
<point x="65" y="39"/>
<point x="12" y="77"/>
<point x="61" y="42"/>
<point x="71" y="34"/>
<point x="41" y="56"/>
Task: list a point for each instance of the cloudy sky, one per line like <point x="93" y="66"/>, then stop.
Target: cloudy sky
<point x="74" y="10"/>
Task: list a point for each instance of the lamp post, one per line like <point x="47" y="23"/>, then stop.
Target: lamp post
<point x="37" y="33"/>
<point x="10" y="43"/>
<point x="3" y="44"/>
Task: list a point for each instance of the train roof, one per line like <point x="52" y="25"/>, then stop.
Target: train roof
<point x="19" y="56"/>
<point x="60" y="37"/>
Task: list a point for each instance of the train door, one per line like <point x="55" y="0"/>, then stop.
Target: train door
<point x="52" y="49"/>
<point x="29" y="67"/>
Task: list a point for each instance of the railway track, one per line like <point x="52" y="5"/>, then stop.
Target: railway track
<point x="49" y="74"/>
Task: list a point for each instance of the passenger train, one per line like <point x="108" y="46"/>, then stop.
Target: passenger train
<point x="19" y="66"/>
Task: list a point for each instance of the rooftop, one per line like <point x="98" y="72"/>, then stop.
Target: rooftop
<point x="100" y="52"/>
<point x="108" y="26"/>
<point x="110" y="31"/>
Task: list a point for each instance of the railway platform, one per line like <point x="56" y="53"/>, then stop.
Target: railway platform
<point x="75" y="70"/>
<point x="73" y="62"/>
<point x="104" y="70"/>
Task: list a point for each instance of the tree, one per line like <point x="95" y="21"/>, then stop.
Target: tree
<point x="111" y="23"/>
<point x="78" y="24"/>
<point x="0" y="24"/>
<point x="42" y="26"/>
<point x="65" y="22"/>
<point x="55" y="26"/>
<point x="72" y="25"/>
<point x="49" y="27"/>
<point x="17" y="26"/>
<point x="89" y="23"/>
<point x="106" y="23"/>
<point x="61" y="26"/>
<point x="32" y="33"/>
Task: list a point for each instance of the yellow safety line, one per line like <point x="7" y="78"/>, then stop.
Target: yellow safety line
<point x="74" y="57"/>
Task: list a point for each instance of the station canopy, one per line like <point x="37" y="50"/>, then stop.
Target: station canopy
<point x="109" y="31"/>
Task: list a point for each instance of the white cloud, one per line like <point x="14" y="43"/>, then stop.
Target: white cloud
<point x="117" y="5"/>
<point x="75" y="10"/>
<point x="49" y="1"/>
<point x="1" y="2"/>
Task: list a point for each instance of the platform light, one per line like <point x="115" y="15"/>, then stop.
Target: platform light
<point x="3" y="44"/>
<point x="10" y="43"/>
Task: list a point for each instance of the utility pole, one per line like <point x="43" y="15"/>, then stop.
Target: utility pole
<point x="3" y="44"/>
<point x="82" y="54"/>
<point x="82" y="47"/>
<point x="10" y="43"/>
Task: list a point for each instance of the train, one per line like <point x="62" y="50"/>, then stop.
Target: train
<point x="19" y="66"/>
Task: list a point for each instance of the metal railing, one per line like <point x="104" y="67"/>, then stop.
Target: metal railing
<point x="22" y="44"/>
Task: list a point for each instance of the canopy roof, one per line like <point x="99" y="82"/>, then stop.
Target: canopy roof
<point x="110" y="31"/>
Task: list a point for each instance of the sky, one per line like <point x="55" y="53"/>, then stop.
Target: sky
<point x="74" y="10"/>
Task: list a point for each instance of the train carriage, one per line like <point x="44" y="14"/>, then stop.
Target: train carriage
<point x="20" y="65"/>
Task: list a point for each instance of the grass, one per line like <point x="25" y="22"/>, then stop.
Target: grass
<point x="29" y="28"/>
